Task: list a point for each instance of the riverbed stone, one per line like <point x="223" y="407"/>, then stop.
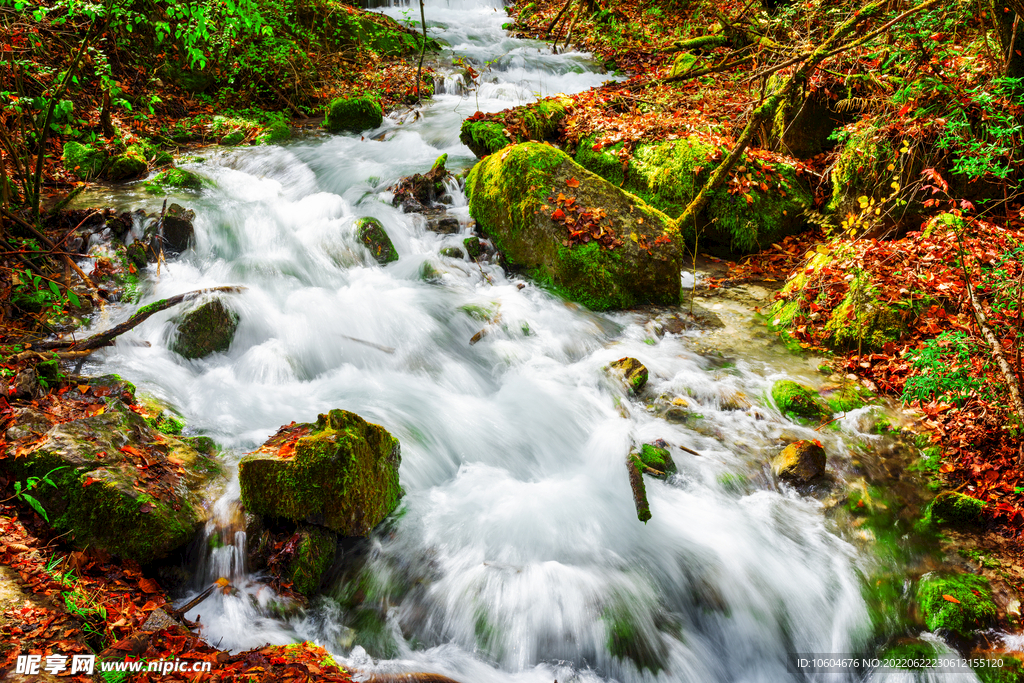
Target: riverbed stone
<point x="118" y="484"/>
<point x="375" y="238"/>
<point x="800" y="462"/>
<point x="128" y="165"/>
<point x="206" y="329"/>
<point x="179" y="178"/>
<point x="340" y="472"/>
<point x="353" y="114"/>
<point x="425" y="188"/>
<point x="793" y="398"/>
<point x="314" y="554"/>
<point x="623" y="255"/>
<point x="632" y="372"/>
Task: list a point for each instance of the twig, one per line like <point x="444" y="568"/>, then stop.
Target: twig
<point x="52" y="247"/>
<point x="379" y="347"/>
<point x="689" y="450"/>
<point x="557" y="17"/>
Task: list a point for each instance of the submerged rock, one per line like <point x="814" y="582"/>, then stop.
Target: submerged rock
<point x="800" y="462"/>
<point x="206" y="329"/>
<point x="797" y="399"/>
<point x="631" y="371"/>
<point x="353" y="114"/>
<point x="340" y="472"/>
<point x="452" y="252"/>
<point x="622" y="254"/>
<point x="118" y="484"/>
<point x="372" y="234"/>
<point x="656" y="457"/>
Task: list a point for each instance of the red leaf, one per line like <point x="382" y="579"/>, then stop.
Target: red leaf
<point x="558" y="215"/>
<point x="572" y="182"/>
<point x="904" y="109"/>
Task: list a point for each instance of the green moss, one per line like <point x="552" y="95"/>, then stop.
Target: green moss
<point x="846" y="398"/>
<point x="657" y="458"/>
<point x="955" y="510"/>
<point x="161" y="158"/>
<point x="911" y="651"/>
<point x="483" y="137"/>
<point x="861" y="170"/>
<point x="636" y="480"/>
<point x="372" y="234"/>
<point x="1011" y="669"/>
<point x="274" y="133"/>
<point x="205" y="330"/>
<point x="176" y="178"/>
<point x="473" y="247"/>
<point x="632" y="636"/>
<point x="233" y="138"/>
<point x="971" y="608"/>
<point x="863" y="320"/>
<point x="452" y="252"/>
<point x="797" y="399"/>
<point x="131" y="164"/>
<point x="313" y="558"/>
<point x="353" y="114"/>
<point x="683" y="63"/>
<point x="84" y="161"/>
<point x="343" y="476"/>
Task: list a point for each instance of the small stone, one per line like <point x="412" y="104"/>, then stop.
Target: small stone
<point x="800" y="462"/>
<point x="446" y="225"/>
<point x="158" y="620"/>
<point x="473" y="247"/>
<point x="372" y="234"/>
<point x="452" y="252"/>
<point x="632" y="372"/>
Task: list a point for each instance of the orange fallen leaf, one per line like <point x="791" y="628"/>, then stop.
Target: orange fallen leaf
<point x="572" y="182"/>
<point x="950" y="598"/>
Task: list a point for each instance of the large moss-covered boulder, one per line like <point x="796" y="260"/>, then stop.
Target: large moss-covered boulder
<point x="484" y="137"/>
<point x="954" y="509"/>
<point x="131" y="164"/>
<point x="375" y="238"/>
<point x="597" y="244"/>
<point x="767" y="203"/>
<point x="340" y="472"/>
<point x="353" y="114"/>
<point x="206" y="329"/>
<point x="119" y="484"/>
<point x="959" y="603"/>
<point x="793" y="398"/>
<point x="85" y="161"/>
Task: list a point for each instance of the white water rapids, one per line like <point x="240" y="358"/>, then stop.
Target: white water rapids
<point x="516" y="554"/>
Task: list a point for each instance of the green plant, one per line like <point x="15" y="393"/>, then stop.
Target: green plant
<point x="30" y="293"/>
<point x="946" y="370"/>
<point x="32" y="483"/>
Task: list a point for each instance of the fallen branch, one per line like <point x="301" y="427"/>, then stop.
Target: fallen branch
<point x="557" y="17"/>
<point x="101" y="339"/>
<point x="636" y="482"/>
<point x="52" y="247"/>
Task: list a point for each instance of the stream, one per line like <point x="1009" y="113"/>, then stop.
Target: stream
<point x="516" y="553"/>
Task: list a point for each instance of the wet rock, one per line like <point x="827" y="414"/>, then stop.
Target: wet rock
<point x="372" y="234"/>
<point x="800" y="400"/>
<point x="636" y="261"/>
<point x="957" y="510"/>
<point x="632" y="372"/>
<point x="176" y="178"/>
<point x="353" y="114"/>
<point x="85" y="161"/>
<point x="446" y="225"/>
<point x="452" y="252"/>
<point x="26" y="384"/>
<point x="971" y="607"/>
<point x="315" y="548"/>
<point x="119" y="485"/>
<point x="424" y="188"/>
<point x="207" y="329"/>
<point x="473" y="247"/>
<point x="800" y="462"/>
<point x="692" y="318"/>
<point x="158" y="620"/>
<point x="127" y="166"/>
<point x="235" y="137"/>
<point x="340" y="473"/>
<point x="657" y="457"/>
<point x="178" y="229"/>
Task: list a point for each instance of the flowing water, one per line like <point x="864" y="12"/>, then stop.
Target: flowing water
<point x="516" y="554"/>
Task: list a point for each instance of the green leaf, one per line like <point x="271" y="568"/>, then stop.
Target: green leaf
<point x="54" y="288"/>
<point x="73" y="298"/>
<point x="36" y="506"/>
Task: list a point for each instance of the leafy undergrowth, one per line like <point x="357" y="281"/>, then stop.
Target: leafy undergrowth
<point x="939" y="364"/>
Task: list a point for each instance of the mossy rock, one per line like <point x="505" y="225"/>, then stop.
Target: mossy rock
<point x="127" y="166"/>
<point x="100" y="497"/>
<point x="970" y="608"/>
<point x="683" y="63"/>
<point x="483" y="137"/>
<point x="179" y="178"/>
<point x="473" y="247"/>
<point x="797" y="399"/>
<point x="177" y="230"/>
<point x="800" y="462"/>
<point x="669" y="174"/>
<point x="313" y="557"/>
<point x="957" y="510"/>
<point x="658" y="458"/>
<point x="864" y="320"/>
<point x="634" y="635"/>
<point x="508" y="197"/>
<point x="85" y="161"/>
<point x="276" y="132"/>
<point x="910" y="650"/>
<point x="373" y="236"/>
<point x="206" y="329"/>
<point x="803" y="124"/>
<point x="233" y="138"/>
<point x="632" y="372"/>
<point x="452" y="252"/>
<point x="340" y="473"/>
<point x="161" y="158"/>
<point x="353" y="114"/>
<point x="846" y="397"/>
